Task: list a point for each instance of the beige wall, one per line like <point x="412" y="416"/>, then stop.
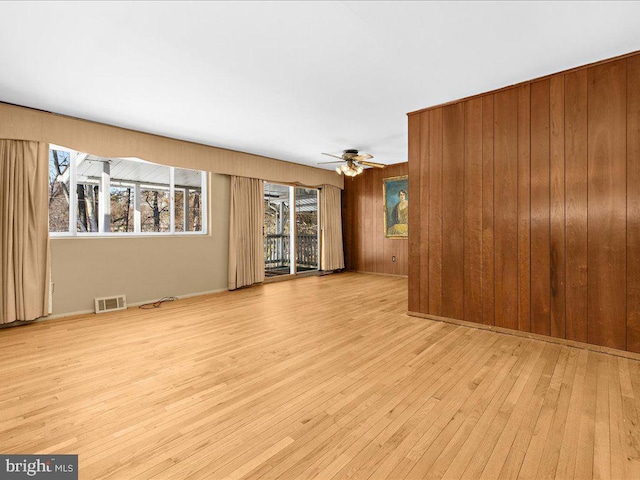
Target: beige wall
<point x="147" y="268"/>
<point x="143" y="268"/>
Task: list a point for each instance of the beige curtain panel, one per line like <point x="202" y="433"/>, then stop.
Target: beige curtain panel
<point x="332" y="257"/>
<point x="246" y="242"/>
<point x="24" y="230"/>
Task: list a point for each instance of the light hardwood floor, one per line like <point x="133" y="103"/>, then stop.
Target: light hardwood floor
<point x="321" y="377"/>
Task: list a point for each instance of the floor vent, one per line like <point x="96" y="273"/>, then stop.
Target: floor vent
<point x="109" y="304"/>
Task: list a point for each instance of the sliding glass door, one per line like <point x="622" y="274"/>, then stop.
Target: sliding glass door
<point x="306" y="229"/>
<point x="290" y="230"/>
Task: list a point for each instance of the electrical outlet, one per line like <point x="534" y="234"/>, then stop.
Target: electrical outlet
<point x="393" y="258"/>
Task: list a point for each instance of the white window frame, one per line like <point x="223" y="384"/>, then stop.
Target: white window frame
<point x="137" y="188"/>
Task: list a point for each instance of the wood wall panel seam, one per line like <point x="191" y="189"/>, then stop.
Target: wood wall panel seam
<point x="524" y="208"/>
<point x="424" y="212"/>
<point x="557" y="205"/>
<point x="414" y="264"/>
<point x="506" y="215"/>
<point x="435" y="211"/>
<point x="453" y="210"/>
<point x="540" y="195"/>
<point x="488" y="273"/>
<point x="576" y="186"/>
<point x="473" y="212"/>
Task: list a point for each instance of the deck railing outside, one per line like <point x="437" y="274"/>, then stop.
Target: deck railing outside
<point x="276" y="251"/>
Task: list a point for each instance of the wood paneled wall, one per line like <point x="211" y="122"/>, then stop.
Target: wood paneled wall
<point x="525" y="207"/>
<point x="365" y="247"/>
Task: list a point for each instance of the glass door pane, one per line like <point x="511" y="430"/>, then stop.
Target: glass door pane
<point x="306" y="229"/>
<point x="277" y="230"/>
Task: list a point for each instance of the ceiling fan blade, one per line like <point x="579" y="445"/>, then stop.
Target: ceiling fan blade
<point x="362" y="156"/>
<point x="324" y="163"/>
<point x="334" y="156"/>
<point x="372" y="164"/>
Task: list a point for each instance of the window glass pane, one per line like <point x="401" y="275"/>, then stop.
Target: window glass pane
<point x="87" y="207"/>
<point x="195" y="210"/>
<point x="154" y="210"/>
<point x="122" y="199"/>
<point x="155" y="214"/>
<point x="89" y="170"/>
<point x="59" y="171"/>
<point x="188" y="200"/>
<point x="179" y="210"/>
<point x="306" y="229"/>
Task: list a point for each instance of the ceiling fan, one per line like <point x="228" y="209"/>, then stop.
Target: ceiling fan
<point x="355" y="162"/>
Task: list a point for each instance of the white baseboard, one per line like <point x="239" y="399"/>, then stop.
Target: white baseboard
<point x="129" y="305"/>
<point x="62" y="315"/>
<point x="186" y="295"/>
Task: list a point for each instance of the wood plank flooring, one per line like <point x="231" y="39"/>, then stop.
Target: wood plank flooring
<point x="321" y="377"/>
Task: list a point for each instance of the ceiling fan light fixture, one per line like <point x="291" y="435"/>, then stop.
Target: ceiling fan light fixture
<point x="355" y="162"/>
<point x="350" y="169"/>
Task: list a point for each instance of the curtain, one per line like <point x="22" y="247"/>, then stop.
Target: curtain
<point x="332" y="257"/>
<point x="24" y="230"/>
<point x="246" y="242"/>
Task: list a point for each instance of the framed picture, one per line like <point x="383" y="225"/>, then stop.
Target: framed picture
<point x="395" y="191"/>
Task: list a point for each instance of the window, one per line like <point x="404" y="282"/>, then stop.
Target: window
<point x="122" y="196"/>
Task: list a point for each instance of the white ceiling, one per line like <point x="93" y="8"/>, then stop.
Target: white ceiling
<point x="290" y="80"/>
